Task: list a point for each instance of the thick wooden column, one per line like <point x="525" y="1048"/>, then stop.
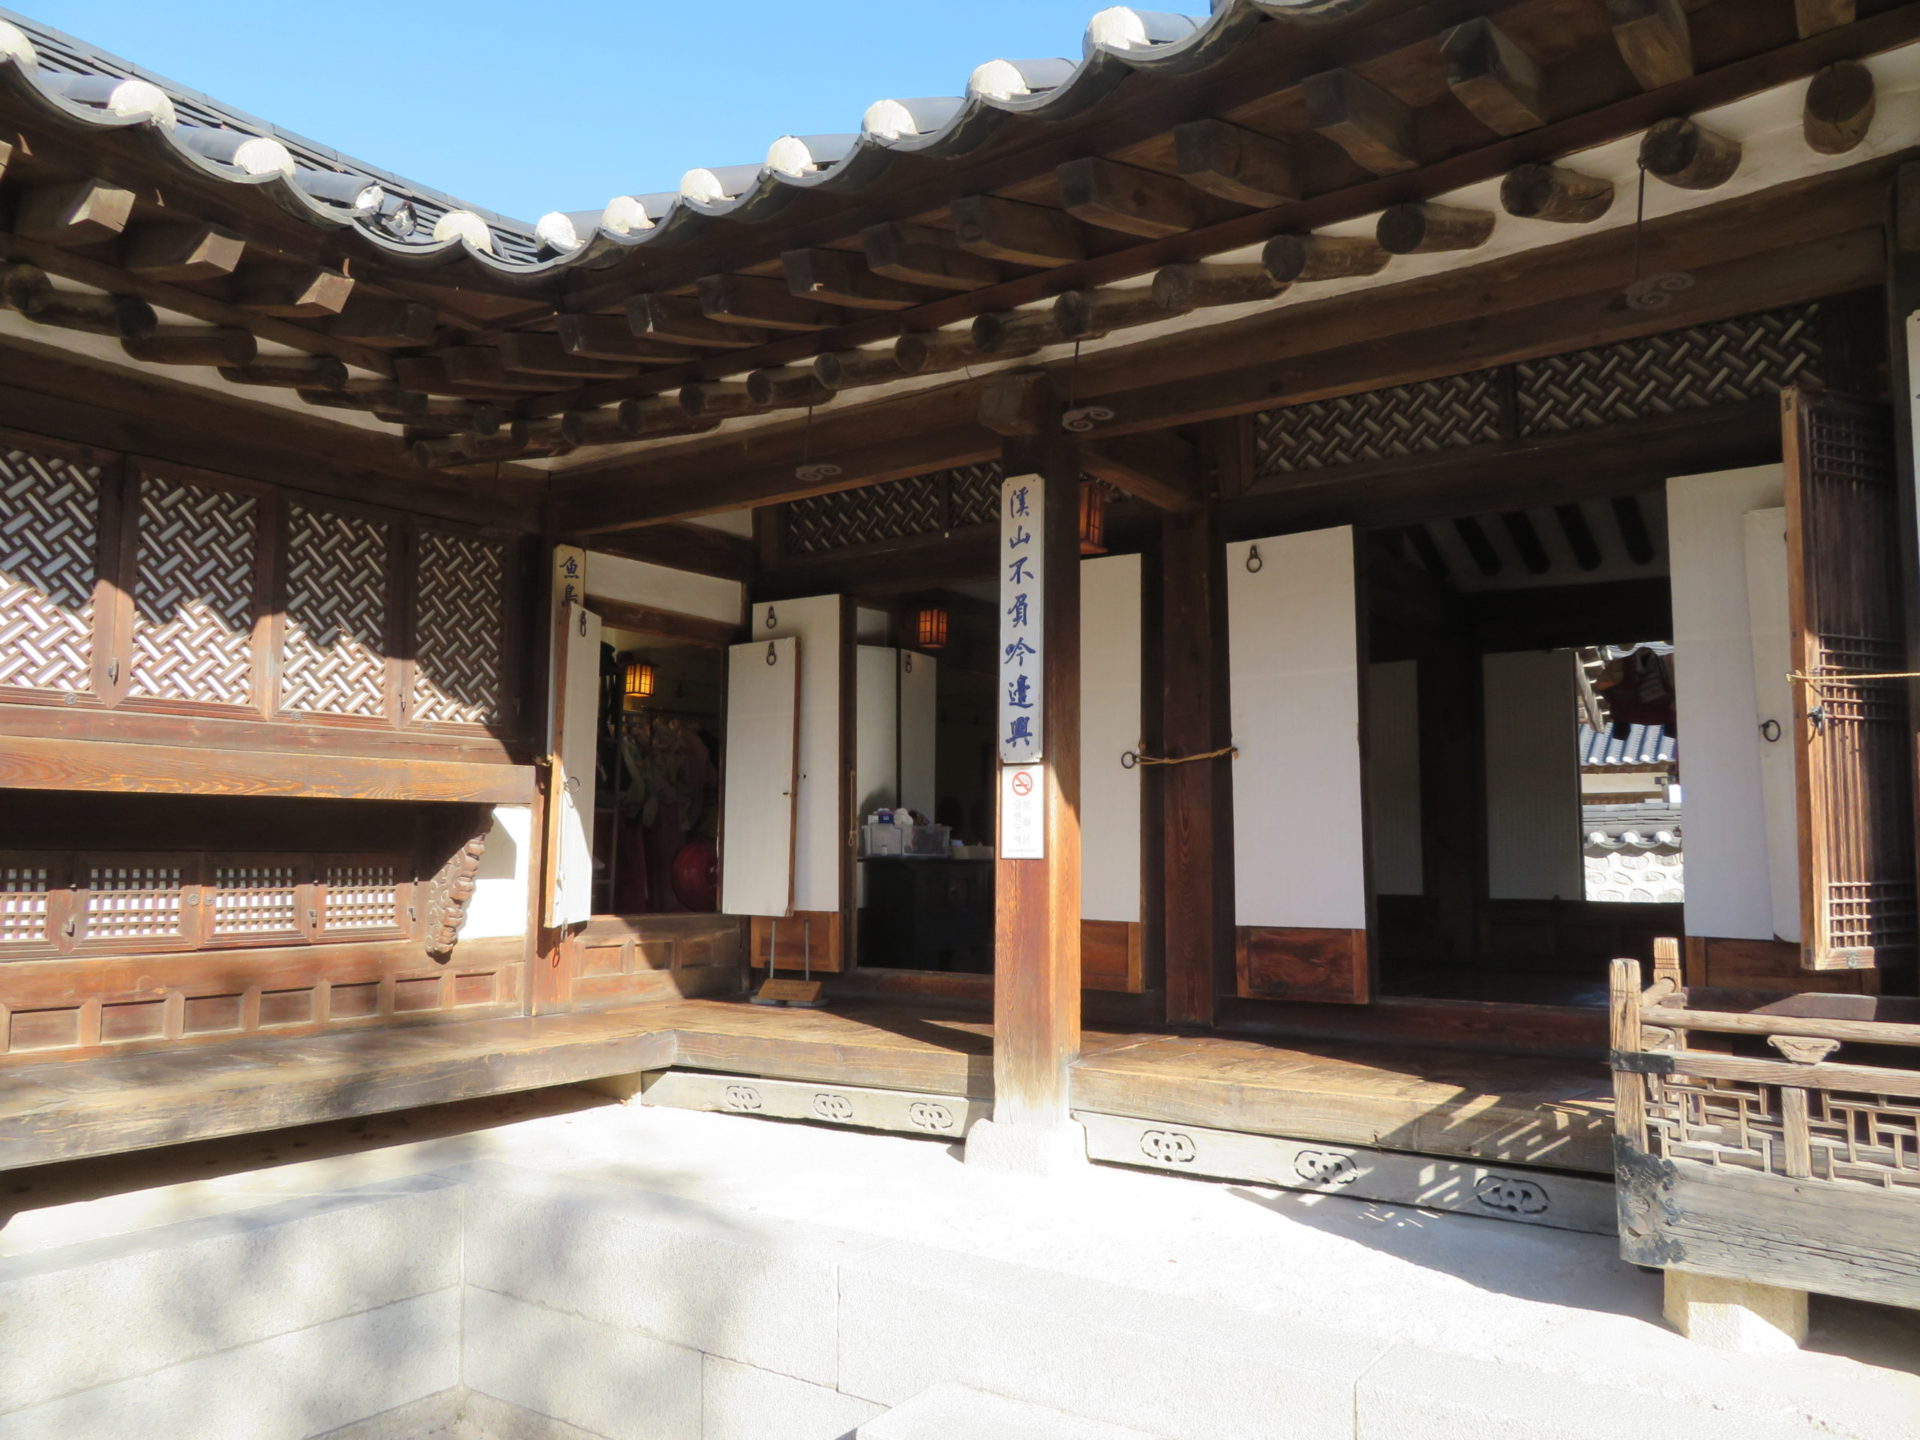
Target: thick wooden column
<point x="1195" y="801"/>
<point x="1036" y="996"/>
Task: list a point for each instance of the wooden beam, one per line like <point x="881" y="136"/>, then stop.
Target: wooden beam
<point x="1089" y="314"/>
<point x="174" y="253"/>
<point x="1016" y="232"/>
<point x="288" y="372"/>
<point x="1689" y="155"/>
<point x="783" y="388"/>
<point x="611" y="337"/>
<point x="1013" y="332"/>
<point x="838" y="277"/>
<point x="650" y="620"/>
<point x="762" y="304"/>
<point x="1180" y="288"/>
<point x="849" y="369"/>
<point x="1373" y="127"/>
<point x="1654" y="40"/>
<point x="28" y="763"/>
<point x="1494" y="78"/>
<point x="1840" y="108"/>
<point x="1430" y="229"/>
<point x="193" y="345"/>
<point x="698" y="548"/>
<point x="77" y="212"/>
<point x="1235" y="164"/>
<point x="312" y="294"/>
<point x="481" y="366"/>
<point x="1124" y="198"/>
<point x="1813" y="16"/>
<point x="929" y="352"/>
<point x="717" y="399"/>
<point x="921" y="255"/>
<point x="27" y="289"/>
<point x="679" y="320"/>
<point x="374" y="321"/>
<point x="535" y="353"/>
<point x="1153" y="466"/>
<point x="1553" y="192"/>
<point x="1021" y="403"/>
<point x="1306" y="258"/>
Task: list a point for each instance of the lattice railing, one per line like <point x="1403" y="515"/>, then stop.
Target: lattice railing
<point x="1702" y="366"/>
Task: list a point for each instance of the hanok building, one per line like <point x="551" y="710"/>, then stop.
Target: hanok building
<point x="1153" y="588"/>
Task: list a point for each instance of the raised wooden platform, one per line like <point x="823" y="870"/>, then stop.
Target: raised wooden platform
<point x="1512" y="1109"/>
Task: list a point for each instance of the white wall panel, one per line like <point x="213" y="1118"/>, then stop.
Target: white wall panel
<point x="1729" y="890"/>
<point x="1393" y="777"/>
<point x="1533" y="776"/>
<point x="876" y="735"/>
<point x="1299" y="826"/>
<point x="638" y="582"/>
<point x="1766" y="547"/>
<point x="817" y="623"/>
<point x="919" y="682"/>
<point x="1110" y="701"/>
<point x="757" y="829"/>
<point x="500" y="886"/>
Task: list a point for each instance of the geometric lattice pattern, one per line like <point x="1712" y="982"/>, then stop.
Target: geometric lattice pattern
<point x="334" y="659"/>
<point x="459" y="624"/>
<point x="137" y="901"/>
<point x="1874" y="1139"/>
<point x="927" y="504"/>
<point x="49" y="535"/>
<point x="1401" y="420"/>
<point x="24" y="892"/>
<point x="362" y="897"/>
<point x="194" y="601"/>
<point x="1746" y="358"/>
<point x="255" y="900"/>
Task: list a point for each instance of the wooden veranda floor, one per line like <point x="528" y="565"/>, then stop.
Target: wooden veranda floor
<point x="1456" y="1103"/>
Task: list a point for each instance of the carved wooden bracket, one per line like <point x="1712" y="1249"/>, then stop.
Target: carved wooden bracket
<point x="453" y="884"/>
<point x="1802" y="1050"/>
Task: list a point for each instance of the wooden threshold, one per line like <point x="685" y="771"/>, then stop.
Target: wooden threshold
<point x="41" y="763"/>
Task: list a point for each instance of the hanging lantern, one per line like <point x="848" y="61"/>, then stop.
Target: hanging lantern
<point x="930" y="628"/>
<point x="636" y="681"/>
<point x="1093" y="518"/>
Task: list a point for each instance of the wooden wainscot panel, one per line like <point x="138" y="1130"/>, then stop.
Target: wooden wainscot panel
<point x="33" y="763"/>
<point x="807" y="939"/>
<point x="79" y="1008"/>
<point x="1767" y="965"/>
<point x="1328" y="966"/>
<point x="1110" y="956"/>
<point x="623" y="959"/>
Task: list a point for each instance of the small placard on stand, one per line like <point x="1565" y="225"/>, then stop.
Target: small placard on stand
<point x="803" y="993"/>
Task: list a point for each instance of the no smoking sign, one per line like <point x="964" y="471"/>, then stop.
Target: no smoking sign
<point x="1023" y="812"/>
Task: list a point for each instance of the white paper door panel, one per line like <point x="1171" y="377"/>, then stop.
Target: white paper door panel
<point x="573" y="722"/>
<point x="1299" y="827"/>
<point x="756" y="838"/>
<point x="876" y="729"/>
<point x="819" y="843"/>
<point x="1729" y="885"/>
<point x="919" y="682"/>
<point x="1532" y="759"/>
<point x="1766" y="544"/>
<point x="1110" y="704"/>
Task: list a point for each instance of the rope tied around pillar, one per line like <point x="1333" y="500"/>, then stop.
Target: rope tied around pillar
<point x="1138" y="758"/>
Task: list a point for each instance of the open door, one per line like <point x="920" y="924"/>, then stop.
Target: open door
<point x="757" y="829"/>
<point x="573" y="721"/>
<point x="1853" y="769"/>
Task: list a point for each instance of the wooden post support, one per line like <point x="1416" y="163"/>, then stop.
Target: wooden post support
<point x="1036" y="993"/>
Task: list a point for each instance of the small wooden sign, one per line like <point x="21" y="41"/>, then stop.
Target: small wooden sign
<point x="790" y="992"/>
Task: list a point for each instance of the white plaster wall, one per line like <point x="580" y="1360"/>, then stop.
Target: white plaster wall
<point x="503" y="883"/>
<point x="1299" y="828"/>
<point x="817" y="624"/>
<point x="1110" y="701"/>
<point x="637" y="582"/>
<point x="876" y="732"/>
<point x="1533" y="776"/>
<point x="1729" y="890"/>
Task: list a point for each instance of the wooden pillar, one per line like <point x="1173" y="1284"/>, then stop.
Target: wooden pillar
<point x="1903" y="317"/>
<point x="1036" y="996"/>
<point x="1195" y="802"/>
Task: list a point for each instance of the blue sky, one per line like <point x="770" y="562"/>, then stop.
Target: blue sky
<point x="528" y="107"/>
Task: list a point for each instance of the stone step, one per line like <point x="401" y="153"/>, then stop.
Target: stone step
<point x="959" y="1412"/>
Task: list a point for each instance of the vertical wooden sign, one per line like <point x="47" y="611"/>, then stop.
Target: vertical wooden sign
<point x="1023" y="608"/>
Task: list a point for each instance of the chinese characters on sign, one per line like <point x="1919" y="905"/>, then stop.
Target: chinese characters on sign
<point x="1022" y="610"/>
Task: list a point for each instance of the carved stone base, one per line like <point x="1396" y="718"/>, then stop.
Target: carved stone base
<point x="1736" y="1315"/>
<point x="1042" y="1151"/>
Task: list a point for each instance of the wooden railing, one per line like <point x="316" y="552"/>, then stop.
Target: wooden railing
<point x="1769" y="1138"/>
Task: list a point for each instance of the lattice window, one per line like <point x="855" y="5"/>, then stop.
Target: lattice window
<point x="24" y="894"/>
<point x="194" y="593"/>
<point x="249" y="899"/>
<point x="49" y="535"/>
<point x="459" y="623"/>
<point x="1705" y="365"/>
<point x="134" y="901"/>
<point x="334" y="661"/>
<point x="918" y="505"/>
<point x="362" y="897"/>
<point x="1385" y="424"/>
<point x="1874" y="1139"/>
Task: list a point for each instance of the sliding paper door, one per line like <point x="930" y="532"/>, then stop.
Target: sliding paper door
<point x="757" y="829"/>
